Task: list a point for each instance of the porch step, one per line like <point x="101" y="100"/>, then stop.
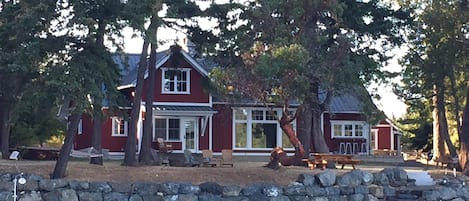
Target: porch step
<point x="422" y="178"/>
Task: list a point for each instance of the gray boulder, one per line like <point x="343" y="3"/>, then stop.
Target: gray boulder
<point x="307" y="179"/>
<point x="114" y="196"/>
<point x="51" y="184"/>
<point x="326" y="178"/>
<point x="90" y="196"/>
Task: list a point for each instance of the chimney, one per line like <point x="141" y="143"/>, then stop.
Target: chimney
<point x="188" y="46"/>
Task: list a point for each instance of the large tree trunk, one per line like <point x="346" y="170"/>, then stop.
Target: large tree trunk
<point x="278" y="155"/>
<point x="440" y="126"/>
<point x="130" y="145"/>
<point x="64" y="155"/>
<point x="464" y="151"/>
<point x="304" y="130"/>
<point x="145" y="156"/>
<point x="457" y="106"/>
<point x="96" y="137"/>
<point x="438" y="143"/>
<point x="5" y="118"/>
<point x="319" y="142"/>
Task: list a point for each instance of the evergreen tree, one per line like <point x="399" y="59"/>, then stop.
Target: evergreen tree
<point x="179" y="14"/>
<point x="435" y="67"/>
<point x="336" y="41"/>
<point x="85" y="72"/>
<point x="25" y="44"/>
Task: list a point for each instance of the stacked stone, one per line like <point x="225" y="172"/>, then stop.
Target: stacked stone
<point x="357" y="185"/>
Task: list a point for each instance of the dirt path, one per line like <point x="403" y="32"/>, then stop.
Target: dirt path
<point x="241" y="174"/>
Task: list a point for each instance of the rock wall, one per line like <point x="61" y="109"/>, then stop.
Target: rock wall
<point x="357" y="185"/>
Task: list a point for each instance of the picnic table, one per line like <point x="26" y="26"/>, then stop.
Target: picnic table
<point x="320" y="159"/>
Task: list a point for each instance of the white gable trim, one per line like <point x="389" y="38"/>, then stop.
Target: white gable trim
<point x="194" y="63"/>
<point x="159" y="63"/>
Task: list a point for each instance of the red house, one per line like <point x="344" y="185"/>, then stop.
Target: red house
<point x="386" y="138"/>
<point x="188" y="117"/>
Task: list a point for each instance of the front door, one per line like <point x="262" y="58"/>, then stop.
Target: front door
<point x="190" y="133"/>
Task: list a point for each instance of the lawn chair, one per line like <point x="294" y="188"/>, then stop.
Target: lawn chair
<point x="189" y="159"/>
<point x="208" y="159"/>
<point x="226" y="157"/>
<point x="164" y="147"/>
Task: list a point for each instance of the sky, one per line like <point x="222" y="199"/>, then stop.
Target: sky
<point x="389" y="103"/>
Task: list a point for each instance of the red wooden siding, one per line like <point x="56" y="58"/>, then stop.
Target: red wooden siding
<point x="222" y="128"/>
<point x="84" y="140"/>
<point x="114" y="144"/>
<point x="334" y="143"/>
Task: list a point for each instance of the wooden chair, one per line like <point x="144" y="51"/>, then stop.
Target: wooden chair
<point x="208" y="159"/>
<point x="164" y="149"/>
<point x="163" y="146"/>
<point x="226" y="157"/>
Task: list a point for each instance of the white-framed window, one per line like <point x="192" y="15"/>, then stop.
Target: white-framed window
<point x="176" y="80"/>
<point x="258" y="128"/>
<point x="80" y="127"/>
<point x="348" y="129"/>
<point x="167" y="128"/>
<point x="119" y="127"/>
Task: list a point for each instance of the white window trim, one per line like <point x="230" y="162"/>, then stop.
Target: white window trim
<point x="188" y="76"/>
<point x="167" y="128"/>
<point x="249" y="121"/>
<point x="80" y="127"/>
<point x="126" y="127"/>
<point x="353" y="123"/>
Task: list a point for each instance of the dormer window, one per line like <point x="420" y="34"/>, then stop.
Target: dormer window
<point x="176" y="80"/>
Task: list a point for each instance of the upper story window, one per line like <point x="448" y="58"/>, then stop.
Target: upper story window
<point x="176" y="80"/>
<point x="348" y="129"/>
<point x="119" y="126"/>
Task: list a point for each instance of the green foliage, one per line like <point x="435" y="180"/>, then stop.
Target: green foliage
<point x="23" y="29"/>
<point x="436" y="58"/>
<point x="84" y="70"/>
<point x="307" y="43"/>
<point x="418" y="131"/>
<point x="35" y="116"/>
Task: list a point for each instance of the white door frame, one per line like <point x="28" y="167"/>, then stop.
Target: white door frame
<point x="195" y="122"/>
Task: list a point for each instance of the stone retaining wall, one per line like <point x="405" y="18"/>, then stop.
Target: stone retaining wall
<point x="357" y="185"/>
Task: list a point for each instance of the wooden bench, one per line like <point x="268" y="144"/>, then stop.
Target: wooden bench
<point x="322" y="160"/>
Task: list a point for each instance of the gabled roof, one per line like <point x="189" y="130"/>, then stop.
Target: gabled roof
<point x="388" y="122"/>
<point x="345" y="103"/>
<point x="128" y="64"/>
